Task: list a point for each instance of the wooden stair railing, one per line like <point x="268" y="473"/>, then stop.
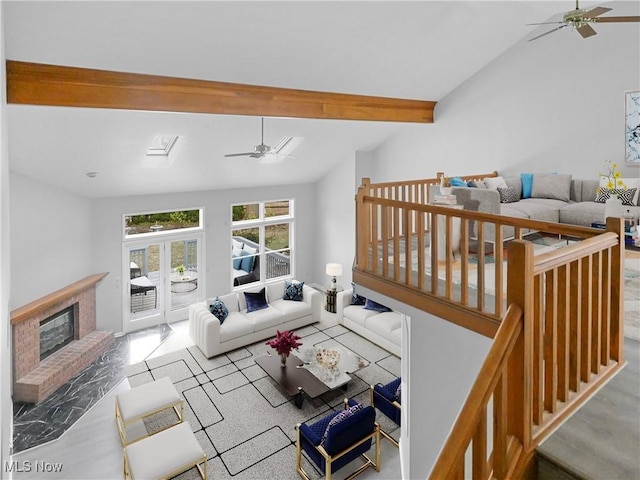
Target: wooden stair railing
<point x="559" y="342"/>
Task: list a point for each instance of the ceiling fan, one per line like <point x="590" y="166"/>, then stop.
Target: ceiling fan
<point x="581" y="19"/>
<point x="263" y="151"/>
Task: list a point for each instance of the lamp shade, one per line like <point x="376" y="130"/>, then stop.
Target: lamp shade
<point x="334" y="269"/>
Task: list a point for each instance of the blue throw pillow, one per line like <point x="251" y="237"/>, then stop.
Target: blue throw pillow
<point x="371" y="305"/>
<point x="237" y="260"/>
<point x="457" y="182"/>
<point x="246" y="263"/>
<point x="256" y="300"/>
<point x="219" y="310"/>
<point x="293" y="290"/>
<point x="527" y="184"/>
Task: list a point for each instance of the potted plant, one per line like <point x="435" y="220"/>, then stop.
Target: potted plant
<point x="284" y="343"/>
<point x="180" y="269"/>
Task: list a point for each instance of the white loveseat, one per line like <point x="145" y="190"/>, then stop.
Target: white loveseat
<point x="241" y="328"/>
<point x="382" y="328"/>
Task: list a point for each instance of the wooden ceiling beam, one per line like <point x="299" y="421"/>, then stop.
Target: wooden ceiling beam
<point x="54" y="85"/>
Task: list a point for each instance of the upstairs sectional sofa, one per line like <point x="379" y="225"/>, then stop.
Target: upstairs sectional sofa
<point x="242" y="327"/>
<point x="546" y="197"/>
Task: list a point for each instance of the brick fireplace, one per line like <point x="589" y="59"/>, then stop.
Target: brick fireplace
<point x="35" y="379"/>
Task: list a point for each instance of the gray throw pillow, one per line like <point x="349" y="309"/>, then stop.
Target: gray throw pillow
<point x="551" y="186"/>
<point x="508" y="195"/>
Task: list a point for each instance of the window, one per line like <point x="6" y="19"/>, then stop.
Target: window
<point x="261" y="244"/>
<point x="151" y="223"/>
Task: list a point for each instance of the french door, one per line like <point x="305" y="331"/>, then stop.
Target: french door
<point x="163" y="277"/>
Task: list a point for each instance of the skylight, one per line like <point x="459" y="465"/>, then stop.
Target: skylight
<point x="161" y="144"/>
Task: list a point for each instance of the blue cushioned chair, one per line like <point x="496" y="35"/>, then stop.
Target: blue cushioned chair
<point x="345" y="442"/>
<point x="383" y="398"/>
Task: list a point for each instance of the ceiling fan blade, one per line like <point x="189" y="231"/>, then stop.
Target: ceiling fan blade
<point x="547" y="33"/>
<point x="617" y="19"/>
<point x="586" y="31"/>
<point x="596" y="11"/>
<point x="542" y="23"/>
<point x="239" y="154"/>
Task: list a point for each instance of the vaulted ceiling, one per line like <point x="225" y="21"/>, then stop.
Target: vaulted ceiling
<point x="409" y="50"/>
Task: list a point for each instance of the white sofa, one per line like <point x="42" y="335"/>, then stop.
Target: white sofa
<point x="382" y="328"/>
<point x="241" y="328"/>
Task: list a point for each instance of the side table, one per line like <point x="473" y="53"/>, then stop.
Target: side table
<point x="331" y="296"/>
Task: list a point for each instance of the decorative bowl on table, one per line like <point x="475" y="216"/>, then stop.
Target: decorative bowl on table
<point x="327" y="357"/>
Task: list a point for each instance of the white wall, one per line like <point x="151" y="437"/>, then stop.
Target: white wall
<point x="554" y="104"/>
<point x="440" y="362"/>
<point x="443" y="364"/>
<point x="50" y="239"/>
<point x="335" y="220"/>
<point x="6" y="406"/>
<point x="107" y="237"/>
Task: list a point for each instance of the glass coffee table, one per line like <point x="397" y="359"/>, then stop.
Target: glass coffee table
<point x="312" y="371"/>
<point x="184" y="282"/>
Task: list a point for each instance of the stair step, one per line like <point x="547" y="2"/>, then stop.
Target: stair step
<point x="550" y="468"/>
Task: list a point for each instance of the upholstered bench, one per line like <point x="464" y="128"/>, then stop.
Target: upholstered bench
<point x="148" y="399"/>
<point x="165" y="455"/>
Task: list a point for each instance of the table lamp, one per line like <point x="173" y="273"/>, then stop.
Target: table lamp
<point x="334" y="270"/>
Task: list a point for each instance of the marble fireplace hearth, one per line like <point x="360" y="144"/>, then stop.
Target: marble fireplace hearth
<point x="36" y="378"/>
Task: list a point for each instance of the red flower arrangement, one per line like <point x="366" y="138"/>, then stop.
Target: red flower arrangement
<point x="285" y="342"/>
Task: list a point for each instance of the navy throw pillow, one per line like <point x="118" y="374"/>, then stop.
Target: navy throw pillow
<point x="219" y="310"/>
<point x="293" y="290"/>
<point x="340" y="417"/>
<point x="371" y="305"/>
<point x="256" y="300"/>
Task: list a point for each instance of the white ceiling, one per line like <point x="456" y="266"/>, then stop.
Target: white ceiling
<point x="419" y="50"/>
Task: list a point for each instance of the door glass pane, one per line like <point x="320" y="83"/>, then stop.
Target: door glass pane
<point x="161" y="222"/>
<point x="277" y="253"/>
<point x="144" y="271"/>
<point x="184" y="273"/>
<point x="245" y="255"/>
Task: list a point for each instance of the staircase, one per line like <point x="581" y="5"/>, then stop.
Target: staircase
<point x="602" y="439"/>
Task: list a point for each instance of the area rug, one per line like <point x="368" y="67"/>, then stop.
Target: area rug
<point x="240" y="416"/>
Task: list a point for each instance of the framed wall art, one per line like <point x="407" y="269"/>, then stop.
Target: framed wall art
<point x="632" y="127"/>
